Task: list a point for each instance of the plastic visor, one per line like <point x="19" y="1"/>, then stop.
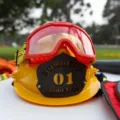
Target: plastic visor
<point x="48" y="43"/>
<point x="45" y="40"/>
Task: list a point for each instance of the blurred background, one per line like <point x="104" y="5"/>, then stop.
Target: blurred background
<point x="100" y="18"/>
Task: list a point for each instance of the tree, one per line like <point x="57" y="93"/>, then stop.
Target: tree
<point x="14" y="14"/>
<point x="111" y="12"/>
<point x="101" y="34"/>
<point x="61" y="9"/>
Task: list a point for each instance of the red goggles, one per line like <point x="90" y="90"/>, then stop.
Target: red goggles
<point x="43" y="43"/>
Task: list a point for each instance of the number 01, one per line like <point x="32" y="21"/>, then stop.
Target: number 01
<point x="61" y="78"/>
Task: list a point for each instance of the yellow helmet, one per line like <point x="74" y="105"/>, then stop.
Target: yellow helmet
<point x="54" y="66"/>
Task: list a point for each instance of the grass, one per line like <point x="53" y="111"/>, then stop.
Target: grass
<point x="102" y="54"/>
<point x="108" y="54"/>
<point x="8" y="52"/>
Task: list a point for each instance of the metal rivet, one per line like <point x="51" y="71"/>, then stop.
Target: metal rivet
<point x="84" y="82"/>
<point x="39" y="86"/>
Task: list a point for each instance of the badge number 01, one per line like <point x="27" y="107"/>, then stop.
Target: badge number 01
<point x="58" y="78"/>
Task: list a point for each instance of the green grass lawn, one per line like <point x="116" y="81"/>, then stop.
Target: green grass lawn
<point x="108" y="53"/>
<point x="8" y="52"/>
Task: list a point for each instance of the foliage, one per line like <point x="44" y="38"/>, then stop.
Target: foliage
<point x="112" y="13"/>
<point x="101" y="34"/>
<point x="61" y="9"/>
<point x="107" y="33"/>
<point x="15" y="14"/>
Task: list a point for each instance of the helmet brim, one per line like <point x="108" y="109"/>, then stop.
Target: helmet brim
<point x="88" y="92"/>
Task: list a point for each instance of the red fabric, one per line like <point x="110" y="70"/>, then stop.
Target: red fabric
<point x="7" y="66"/>
<point x="110" y="89"/>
